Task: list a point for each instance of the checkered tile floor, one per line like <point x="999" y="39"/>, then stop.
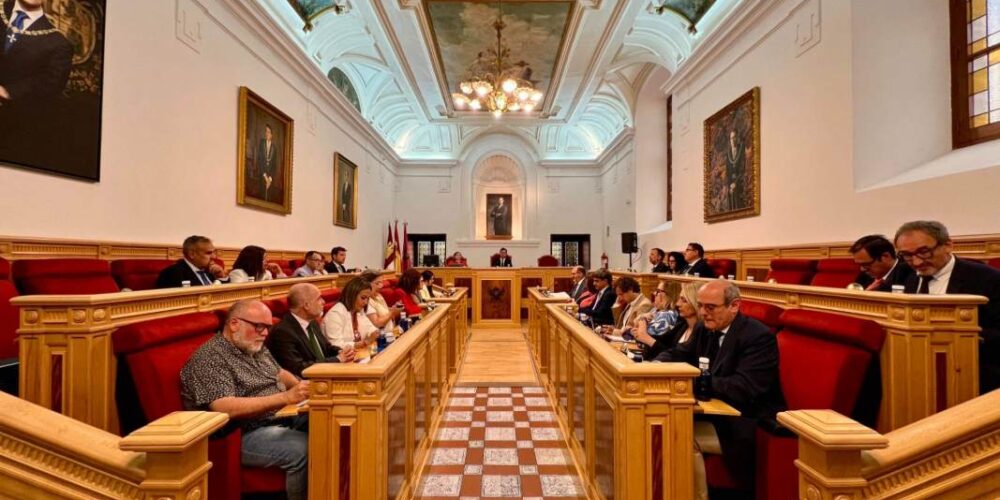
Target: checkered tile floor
<point x="499" y="442"/>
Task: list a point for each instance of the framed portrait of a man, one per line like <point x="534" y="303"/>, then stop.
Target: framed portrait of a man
<point x="345" y="192"/>
<point x="51" y="85"/>
<point x="498" y="217"/>
<point x="264" y="169"/>
<point x="732" y="160"/>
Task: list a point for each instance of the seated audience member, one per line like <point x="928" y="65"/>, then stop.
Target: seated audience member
<point x="426" y="292"/>
<point x="409" y="283"/>
<point x="297" y="341"/>
<point x="579" y="283"/>
<point x="604" y="300"/>
<point x="926" y="247"/>
<point x="379" y="312"/>
<point x="629" y="292"/>
<point x="743" y="361"/>
<point x="669" y="328"/>
<point x="694" y="255"/>
<point x="252" y="263"/>
<point x="338" y="255"/>
<point x="457" y="260"/>
<point x="313" y="266"/>
<point x="347" y="323"/>
<point x="656" y="256"/>
<point x="503" y="260"/>
<point x="880" y="269"/>
<point x="233" y="373"/>
<point x="589" y="295"/>
<point x="197" y="267"/>
<point x="676" y="263"/>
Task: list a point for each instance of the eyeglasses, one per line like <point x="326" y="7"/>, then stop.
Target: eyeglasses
<point x="923" y="252"/>
<point x="315" y="259"/>
<point x="867" y="265"/>
<point x="710" y="308"/>
<point x="257" y="327"/>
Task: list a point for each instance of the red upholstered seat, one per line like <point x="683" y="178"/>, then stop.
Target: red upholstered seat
<point x="390" y="283"/>
<point x="995" y="263"/>
<point x="836" y="273"/>
<point x="548" y="261"/>
<point x="824" y="359"/>
<point x="494" y="259"/>
<point x="155" y="351"/>
<point x="63" y="277"/>
<point x="792" y="271"/>
<point x="278" y="307"/>
<point x="295" y="264"/>
<point x="722" y="267"/>
<point x="763" y="312"/>
<point x="138" y="274"/>
<point x="285" y="268"/>
<point x="9" y="315"/>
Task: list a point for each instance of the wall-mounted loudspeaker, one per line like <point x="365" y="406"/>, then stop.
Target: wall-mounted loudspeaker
<point x="630" y="242"/>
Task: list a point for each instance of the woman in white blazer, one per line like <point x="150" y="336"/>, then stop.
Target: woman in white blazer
<point x="252" y="262"/>
<point x="352" y="327"/>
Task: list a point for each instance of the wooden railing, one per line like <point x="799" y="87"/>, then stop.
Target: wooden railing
<point x="952" y="454"/>
<point x="47" y="455"/>
<point x="67" y="360"/>
<point x="371" y="425"/>
<point x="629" y="425"/>
<point x="930" y="359"/>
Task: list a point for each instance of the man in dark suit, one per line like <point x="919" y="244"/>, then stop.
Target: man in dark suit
<point x="35" y="63"/>
<point x="197" y="267"/>
<point x="503" y="260"/>
<point x="743" y="361"/>
<point x="338" y="255"/>
<point x="927" y="248"/>
<point x="656" y="256"/>
<point x="601" y="312"/>
<point x="267" y="162"/>
<point x="579" y="283"/>
<point x="297" y="341"/>
<point x="694" y="254"/>
<point x="880" y="269"/>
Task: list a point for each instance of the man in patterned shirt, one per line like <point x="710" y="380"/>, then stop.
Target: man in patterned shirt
<point x="233" y="373"/>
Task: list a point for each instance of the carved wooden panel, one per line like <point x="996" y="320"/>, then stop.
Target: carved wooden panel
<point x="397" y="446"/>
<point x="527" y="283"/>
<point x="496" y="300"/>
<point x="465" y="283"/>
<point x="562" y="284"/>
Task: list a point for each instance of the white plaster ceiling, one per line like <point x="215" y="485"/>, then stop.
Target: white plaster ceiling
<point x="385" y="49"/>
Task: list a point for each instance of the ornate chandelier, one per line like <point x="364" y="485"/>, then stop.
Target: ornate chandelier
<point x="496" y="84"/>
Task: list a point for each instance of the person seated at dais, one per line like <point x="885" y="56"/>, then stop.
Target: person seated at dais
<point x="604" y="299"/>
<point x="668" y="328"/>
<point x="457" y="260"/>
<point x="297" y="341"/>
<point x="880" y="269"/>
<point x="346" y="324"/>
<point x="635" y="304"/>
<point x="252" y="263"/>
<point x="234" y="373"/>
<point x="196" y="268"/>
<point x="379" y="312"/>
<point x="676" y="264"/>
<point x="589" y="294"/>
<point x="312" y="266"/>
<point x="656" y="256"/>
<point x="579" y="275"/>
<point x="338" y="256"/>
<point x="502" y="259"/>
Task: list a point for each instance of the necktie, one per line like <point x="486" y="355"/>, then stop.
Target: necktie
<point x="875" y="284"/>
<point x="925" y="285"/>
<point x="313" y="334"/>
<point x="205" y="279"/>
<point x="16" y="26"/>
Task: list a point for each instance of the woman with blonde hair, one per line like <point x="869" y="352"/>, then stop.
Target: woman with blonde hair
<point x="658" y="335"/>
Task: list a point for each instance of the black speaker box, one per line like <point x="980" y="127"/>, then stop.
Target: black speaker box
<point x="630" y="242"/>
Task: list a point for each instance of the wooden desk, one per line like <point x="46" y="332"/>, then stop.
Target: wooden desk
<point x="716" y="407"/>
<point x="291" y="410"/>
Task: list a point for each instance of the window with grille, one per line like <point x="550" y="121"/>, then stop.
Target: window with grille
<point x="571" y="249"/>
<point x="975" y="49"/>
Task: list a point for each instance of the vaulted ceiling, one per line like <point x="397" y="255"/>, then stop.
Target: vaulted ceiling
<point x="387" y="51"/>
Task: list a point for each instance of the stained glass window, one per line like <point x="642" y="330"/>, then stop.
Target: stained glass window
<point x="976" y="70"/>
<point x="557" y="248"/>
<point x="439" y="248"/>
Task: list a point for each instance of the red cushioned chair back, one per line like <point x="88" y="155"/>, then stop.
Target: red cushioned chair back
<point x="156" y="351"/>
<point x="994" y="263"/>
<point x="278" y="307"/>
<point x="763" y="312"/>
<point x="63" y="277"/>
<point x="4" y="269"/>
<point x="390" y="295"/>
<point x="494" y="259"/>
<point x="295" y="264"/>
<point x="548" y="261"/>
<point x="331" y="296"/>
<point x="138" y="274"/>
<point x="390" y="283"/>
<point x="824" y="358"/>
<point x="9" y="321"/>
<point x="792" y="271"/>
<point x="722" y="267"/>
<point x="283" y="265"/>
<point x="836" y="273"/>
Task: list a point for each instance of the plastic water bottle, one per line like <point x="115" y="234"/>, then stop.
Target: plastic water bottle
<point x="381" y="342"/>
<point x="703" y="386"/>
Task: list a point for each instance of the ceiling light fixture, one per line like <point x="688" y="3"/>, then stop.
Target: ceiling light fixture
<point x="494" y="83"/>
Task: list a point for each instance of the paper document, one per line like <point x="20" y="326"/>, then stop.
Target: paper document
<point x="560" y="295"/>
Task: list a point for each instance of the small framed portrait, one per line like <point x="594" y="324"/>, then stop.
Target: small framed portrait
<point x="345" y="192"/>
<point x="264" y="166"/>
<point x="498" y="216"/>
<point x="732" y="160"/>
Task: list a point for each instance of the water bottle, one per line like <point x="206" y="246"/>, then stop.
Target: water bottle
<point x="404" y="323"/>
<point x="703" y="385"/>
<point x="381" y="342"/>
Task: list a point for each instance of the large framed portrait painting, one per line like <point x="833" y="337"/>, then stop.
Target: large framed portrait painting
<point x="345" y="192"/>
<point x="732" y="160"/>
<point x="498" y="216"/>
<point x="51" y="87"/>
<point x="264" y="169"/>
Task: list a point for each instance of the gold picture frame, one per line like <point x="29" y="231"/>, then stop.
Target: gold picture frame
<point x="345" y="192"/>
<point x="264" y="170"/>
<point x="732" y="160"/>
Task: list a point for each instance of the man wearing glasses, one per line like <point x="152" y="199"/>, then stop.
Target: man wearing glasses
<point x="926" y="247"/>
<point x="880" y="269"/>
<point x="233" y="373"/>
<point x="743" y="361"/>
<point x="694" y="254"/>
<point x="313" y="266"/>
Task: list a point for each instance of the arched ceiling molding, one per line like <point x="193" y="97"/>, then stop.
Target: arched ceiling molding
<point x="496" y="133"/>
<point x="500" y="141"/>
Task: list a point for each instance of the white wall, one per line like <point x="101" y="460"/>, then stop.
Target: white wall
<point x="169" y="147"/>
<point x="619" y="187"/>
<point x="825" y="114"/>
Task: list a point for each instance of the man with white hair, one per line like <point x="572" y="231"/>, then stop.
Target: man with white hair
<point x="233" y="373"/>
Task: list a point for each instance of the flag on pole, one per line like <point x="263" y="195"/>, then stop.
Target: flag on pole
<point x="390" y="249"/>
<point x="406" y="249"/>
<point x="399" y="267"/>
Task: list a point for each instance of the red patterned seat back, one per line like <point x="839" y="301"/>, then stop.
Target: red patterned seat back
<point x="138" y="274"/>
<point x="836" y="273"/>
<point x="792" y="271"/>
<point x="63" y="277"/>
